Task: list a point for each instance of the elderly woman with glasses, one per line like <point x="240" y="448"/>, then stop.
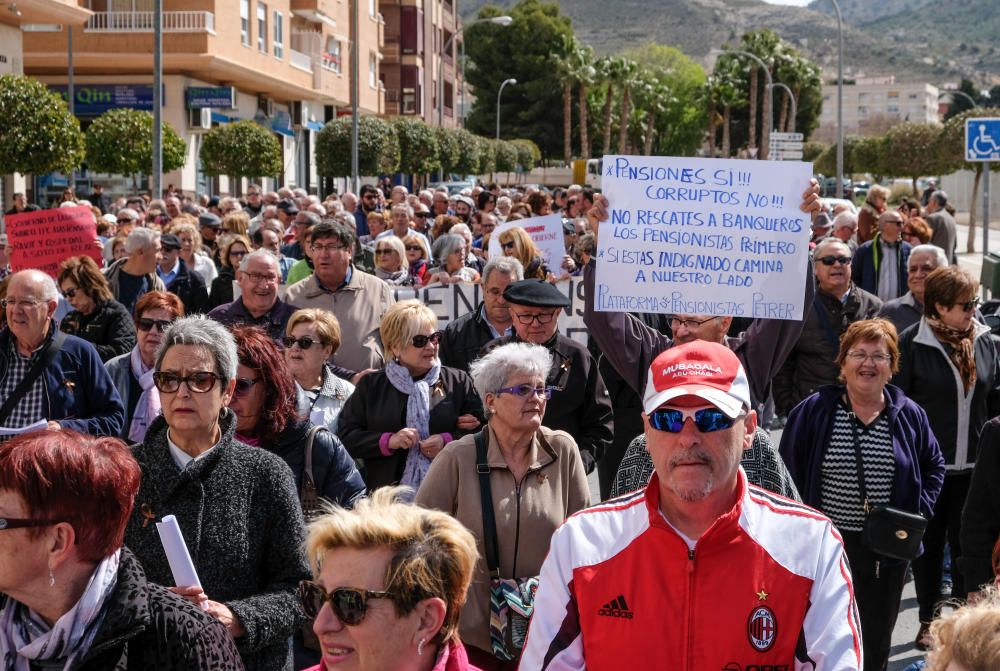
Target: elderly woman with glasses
<point x="96" y="317"/>
<point x="865" y="425"/>
<point x="399" y="418"/>
<point x="311" y="338"/>
<point x="949" y="365"/>
<point x="237" y="506"/>
<point x="71" y="597"/>
<point x="450" y="250"/>
<point x="391" y="580"/>
<point x="418" y="255"/>
<point x="391" y="265"/>
<point x="132" y="372"/>
<point x="536" y="477"/>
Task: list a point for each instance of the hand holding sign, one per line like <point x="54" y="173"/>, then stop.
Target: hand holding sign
<point x="703" y="236"/>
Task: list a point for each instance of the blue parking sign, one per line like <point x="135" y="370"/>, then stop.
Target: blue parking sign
<point x="982" y="139"/>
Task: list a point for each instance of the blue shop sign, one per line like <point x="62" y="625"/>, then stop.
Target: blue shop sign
<point x="220" y="97"/>
<point x="96" y="99"/>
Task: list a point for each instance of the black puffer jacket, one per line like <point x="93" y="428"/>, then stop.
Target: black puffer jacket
<point x="222" y="288"/>
<point x="108" y="328"/>
<point x="812" y="362"/>
<point x="240" y="515"/>
<point x="190" y="288"/>
<point x="336" y="477"/>
<point x="464" y="339"/>
<point x="147" y="628"/>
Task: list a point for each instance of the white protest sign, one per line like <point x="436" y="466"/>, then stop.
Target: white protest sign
<point x="546" y="232"/>
<point x="704" y="237"/>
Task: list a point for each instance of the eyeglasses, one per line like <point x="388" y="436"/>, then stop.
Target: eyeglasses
<point x="349" y="604"/>
<point x="319" y="249"/>
<point x="200" y="382"/>
<point x="525" y="390"/>
<point x="15" y="303"/>
<point x="258" y="278"/>
<point x="876" y="358"/>
<point x="304" y="342"/>
<point x="706" y="420"/>
<point x="422" y="340"/>
<point x="507" y="245"/>
<point x="414" y="248"/>
<point x="245" y="384"/>
<point x="688" y="323"/>
<point x="70" y="293"/>
<point x="543" y="318"/>
<point x="422" y="215"/>
<point x="145" y="324"/>
<point x="22" y="523"/>
<point x="926" y="268"/>
<point x="830" y="260"/>
<point x="125" y="220"/>
<point x="380" y="252"/>
<point x="969" y="306"/>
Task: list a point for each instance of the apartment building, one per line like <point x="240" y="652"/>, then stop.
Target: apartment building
<point x="416" y="32"/>
<point x="284" y="63"/>
<point x="870" y="102"/>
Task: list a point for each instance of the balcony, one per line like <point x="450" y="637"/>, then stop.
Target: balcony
<point x="142" y="22"/>
<point x="300" y="60"/>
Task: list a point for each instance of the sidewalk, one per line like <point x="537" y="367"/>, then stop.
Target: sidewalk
<point x="974" y="262"/>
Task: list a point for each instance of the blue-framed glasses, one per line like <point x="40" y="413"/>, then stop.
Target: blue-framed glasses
<point x="706" y="420"/>
<point x="524" y="390"/>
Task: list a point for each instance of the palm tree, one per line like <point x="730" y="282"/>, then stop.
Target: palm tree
<point x="762" y="43"/>
<point x="629" y="73"/>
<point x="608" y="69"/>
<point x="586" y="74"/>
<point x="727" y="92"/>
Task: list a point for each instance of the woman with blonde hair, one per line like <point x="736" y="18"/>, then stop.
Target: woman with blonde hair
<point x="399" y="418"/>
<point x="517" y="243"/>
<point x="418" y="255"/>
<point x="96" y="317"/>
<point x="185" y="227"/>
<point x="391" y="580"/>
<point x="391" y="265"/>
<point x="968" y="639"/>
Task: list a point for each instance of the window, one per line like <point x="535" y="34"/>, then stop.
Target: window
<point x="261" y="27"/>
<point x="409" y="101"/>
<point x="279" y="35"/>
<point x="245" y="22"/>
<point x="372" y="70"/>
<point x="331" y="57"/>
<point x="371" y="8"/>
<point x="893" y="110"/>
<point x="893" y="95"/>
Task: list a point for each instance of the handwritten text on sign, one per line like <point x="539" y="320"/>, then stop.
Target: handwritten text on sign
<point x="45" y="238"/>
<point x="703" y="237"/>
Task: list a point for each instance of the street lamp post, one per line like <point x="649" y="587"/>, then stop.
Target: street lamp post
<point x="840" y="100"/>
<point x="769" y="88"/>
<point x="499" y="92"/>
<point x="791" y="97"/>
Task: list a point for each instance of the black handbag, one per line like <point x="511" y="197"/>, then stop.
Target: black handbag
<point x="890" y="532"/>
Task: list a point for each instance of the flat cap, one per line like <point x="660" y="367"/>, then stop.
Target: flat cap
<point x="170" y="241"/>
<point x="210" y="220"/>
<point x="288" y="206"/>
<point x="535" y="293"/>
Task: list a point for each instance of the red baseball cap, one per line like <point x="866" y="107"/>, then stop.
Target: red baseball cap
<point x="701" y="369"/>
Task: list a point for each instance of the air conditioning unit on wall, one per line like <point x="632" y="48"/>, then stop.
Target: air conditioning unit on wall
<point x="200" y="118"/>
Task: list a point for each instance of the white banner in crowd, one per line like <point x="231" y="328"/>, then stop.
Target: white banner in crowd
<point x="703" y="236"/>
<point x="452" y="301"/>
<point x="546" y="232"/>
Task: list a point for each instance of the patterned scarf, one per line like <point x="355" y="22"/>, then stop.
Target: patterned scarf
<point x="418" y="415"/>
<point x="148" y="407"/>
<point x="25" y="637"/>
<point x="960" y="350"/>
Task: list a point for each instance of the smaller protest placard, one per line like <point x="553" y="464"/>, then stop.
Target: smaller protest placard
<point x="546" y="232"/>
<point x="45" y="238"/>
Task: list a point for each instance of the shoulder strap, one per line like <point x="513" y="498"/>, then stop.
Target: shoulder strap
<point x="46" y="358"/>
<point x="489" y="520"/>
<point x="853" y="419"/>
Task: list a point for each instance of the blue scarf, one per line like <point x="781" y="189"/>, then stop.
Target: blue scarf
<point x="418" y="415"/>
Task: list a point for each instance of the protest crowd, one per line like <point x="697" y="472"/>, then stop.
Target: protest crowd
<point x="359" y="486"/>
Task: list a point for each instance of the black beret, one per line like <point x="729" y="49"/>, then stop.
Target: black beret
<point x="288" y="206"/>
<point x="535" y="293"/>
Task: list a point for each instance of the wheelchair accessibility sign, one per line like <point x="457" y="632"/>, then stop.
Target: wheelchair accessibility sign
<point x="982" y="139"/>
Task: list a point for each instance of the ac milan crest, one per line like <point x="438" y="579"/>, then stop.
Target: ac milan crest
<point x="762" y="628"/>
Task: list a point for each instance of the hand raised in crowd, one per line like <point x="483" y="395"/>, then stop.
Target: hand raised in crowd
<point x="432" y="445"/>
<point x="361" y="374"/>
<point x="219" y="611"/>
<point x="568" y="263"/>
<point x="810" y="199"/>
<point x="467" y="422"/>
<point x="404" y="439"/>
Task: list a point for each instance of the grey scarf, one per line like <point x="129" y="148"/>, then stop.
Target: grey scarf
<point x="418" y="415"/>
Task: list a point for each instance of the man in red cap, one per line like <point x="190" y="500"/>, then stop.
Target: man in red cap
<point x="700" y="570"/>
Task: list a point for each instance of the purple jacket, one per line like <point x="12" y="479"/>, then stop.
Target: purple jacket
<point x="919" y="464"/>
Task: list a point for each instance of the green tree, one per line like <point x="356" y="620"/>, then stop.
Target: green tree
<point x="120" y="141"/>
<point x="575" y="70"/>
<point x="812" y="150"/>
<point x="528" y="154"/>
<point x="241" y="149"/>
<point x="378" y="147"/>
<point x="608" y="69"/>
<point x="868" y="154"/>
<point x="469" y="152"/>
<point x="506" y="156"/>
<point x="525" y="50"/>
<point x="826" y="163"/>
<point x="418" y="146"/>
<point x="487" y="156"/>
<point x="951" y="151"/>
<point x="910" y="149"/>
<point x="629" y="74"/>
<point x="37" y="132"/>
<point x="447" y="148"/>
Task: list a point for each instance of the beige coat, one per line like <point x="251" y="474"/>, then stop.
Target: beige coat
<point x="527" y="515"/>
<point x="358" y="306"/>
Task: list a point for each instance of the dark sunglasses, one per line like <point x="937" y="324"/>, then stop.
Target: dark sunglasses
<point x="244" y="385"/>
<point x="830" y="260"/>
<point x="706" y="420"/>
<point x="381" y="252"/>
<point x="349" y="604"/>
<point x="969" y="306"/>
<point x="422" y="340"/>
<point x="148" y="324"/>
<point x="305" y="342"/>
<point x="414" y="248"/>
<point x="125" y="220"/>
<point x="422" y="215"/>
<point x="507" y="245"/>
<point x="200" y="382"/>
<point x="70" y="293"/>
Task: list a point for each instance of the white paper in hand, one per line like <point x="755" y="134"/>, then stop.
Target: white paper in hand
<point x="181" y="566"/>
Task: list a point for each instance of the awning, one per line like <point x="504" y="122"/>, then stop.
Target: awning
<point x="221" y="118"/>
<point x="314" y="126"/>
<point x="281" y="130"/>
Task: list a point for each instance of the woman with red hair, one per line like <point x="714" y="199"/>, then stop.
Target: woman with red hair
<point x="71" y="596"/>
